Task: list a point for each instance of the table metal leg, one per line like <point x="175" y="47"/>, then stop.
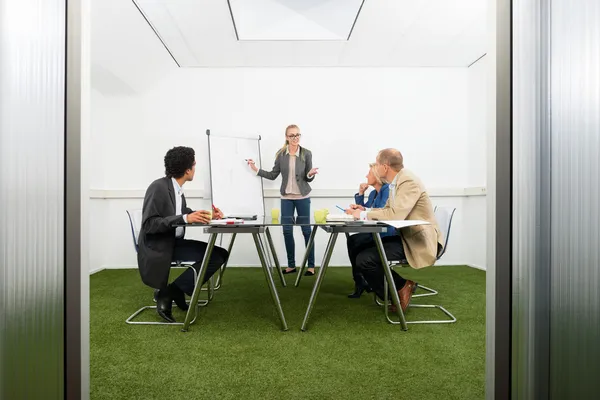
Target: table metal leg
<point x="320" y="276"/>
<point x="267" y="252"/>
<point x="275" y="258"/>
<point x="222" y="269"/>
<point x="198" y="286"/>
<point x="270" y="281"/>
<point x="390" y="282"/>
<point x="309" y="245"/>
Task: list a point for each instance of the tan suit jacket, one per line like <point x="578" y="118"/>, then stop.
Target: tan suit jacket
<point x="410" y="201"/>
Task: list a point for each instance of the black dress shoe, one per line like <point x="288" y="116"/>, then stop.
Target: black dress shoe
<point x="178" y="296"/>
<point x="293" y="271"/>
<point x="358" y="291"/>
<point x="308" y="273"/>
<point x="164" y="306"/>
<point x="365" y="285"/>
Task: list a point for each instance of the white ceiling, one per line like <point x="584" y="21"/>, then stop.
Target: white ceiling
<point x="293" y="19"/>
<point x="128" y="57"/>
<point x="387" y="33"/>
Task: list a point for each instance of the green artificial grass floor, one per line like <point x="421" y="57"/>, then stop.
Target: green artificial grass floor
<point x="236" y="349"/>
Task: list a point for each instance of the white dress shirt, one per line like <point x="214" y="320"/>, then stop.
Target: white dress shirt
<point x="179" y="232"/>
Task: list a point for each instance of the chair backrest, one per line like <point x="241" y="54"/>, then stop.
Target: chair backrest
<point x="135" y="221"/>
<point x="444" y="215"/>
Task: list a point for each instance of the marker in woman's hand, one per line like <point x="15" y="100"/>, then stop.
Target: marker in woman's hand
<point x="252" y="165"/>
<point x="341" y="208"/>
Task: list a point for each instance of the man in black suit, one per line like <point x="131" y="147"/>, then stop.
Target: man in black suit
<point x="160" y="243"/>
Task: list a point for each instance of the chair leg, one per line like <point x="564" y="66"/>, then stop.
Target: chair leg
<point x="211" y="288"/>
<point x="430" y="292"/>
<point x="430" y="321"/>
<point x="441" y="308"/>
<point x="130" y="320"/>
<point x="201" y="303"/>
<point x="211" y="293"/>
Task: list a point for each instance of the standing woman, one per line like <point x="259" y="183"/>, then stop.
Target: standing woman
<point x="295" y="165"/>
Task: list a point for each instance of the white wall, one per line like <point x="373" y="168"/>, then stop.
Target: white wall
<point x="350" y="111"/>
<point x="346" y="115"/>
<point x="475" y="207"/>
<point x="477" y="75"/>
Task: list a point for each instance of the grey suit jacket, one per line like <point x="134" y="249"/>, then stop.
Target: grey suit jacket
<point x="156" y="242"/>
<point x="282" y="166"/>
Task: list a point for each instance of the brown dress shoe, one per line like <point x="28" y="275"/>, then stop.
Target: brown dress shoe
<point x="405" y="294"/>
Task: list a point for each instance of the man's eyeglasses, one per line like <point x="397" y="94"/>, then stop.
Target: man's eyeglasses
<point x="296" y="136"/>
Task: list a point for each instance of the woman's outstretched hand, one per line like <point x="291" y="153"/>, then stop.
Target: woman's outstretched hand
<point x="252" y="165"/>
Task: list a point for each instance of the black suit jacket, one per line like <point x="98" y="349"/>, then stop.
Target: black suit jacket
<point x="157" y="235"/>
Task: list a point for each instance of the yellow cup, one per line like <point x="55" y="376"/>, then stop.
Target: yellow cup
<point x="320" y="216"/>
<point x="275" y="213"/>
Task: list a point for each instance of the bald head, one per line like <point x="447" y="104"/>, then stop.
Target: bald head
<point x="391" y="157"/>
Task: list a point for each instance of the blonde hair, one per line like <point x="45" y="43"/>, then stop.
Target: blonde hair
<point x="373" y="167"/>
<point x="391" y="157"/>
<point x="285" y="145"/>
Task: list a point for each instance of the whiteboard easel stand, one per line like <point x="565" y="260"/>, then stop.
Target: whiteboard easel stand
<point x="270" y="249"/>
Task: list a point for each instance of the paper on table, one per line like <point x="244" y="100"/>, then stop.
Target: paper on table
<point x="339" y="217"/>
<point x="405" y="223"/>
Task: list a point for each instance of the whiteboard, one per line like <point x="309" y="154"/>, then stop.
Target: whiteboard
<point x="234" y="187"/>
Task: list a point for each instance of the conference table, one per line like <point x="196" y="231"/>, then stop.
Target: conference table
<point x="269" y="260"/>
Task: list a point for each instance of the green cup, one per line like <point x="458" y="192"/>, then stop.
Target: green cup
<point x="320" y="216"/>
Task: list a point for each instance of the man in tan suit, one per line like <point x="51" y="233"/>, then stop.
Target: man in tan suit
<point x="419" y="245"/>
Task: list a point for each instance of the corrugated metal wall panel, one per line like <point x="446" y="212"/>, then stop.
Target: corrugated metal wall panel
<point x="575" y="305"/>
<point x="32" y="87"/>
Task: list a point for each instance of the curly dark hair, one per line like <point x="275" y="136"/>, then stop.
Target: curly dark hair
<point x="178" y="160"/>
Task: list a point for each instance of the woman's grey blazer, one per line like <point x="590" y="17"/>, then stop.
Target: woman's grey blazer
<point x="282" y="166"/>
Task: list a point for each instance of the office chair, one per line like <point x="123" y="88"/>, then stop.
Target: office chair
<point x="135" y="222"/>
<point x="444" y="216"/>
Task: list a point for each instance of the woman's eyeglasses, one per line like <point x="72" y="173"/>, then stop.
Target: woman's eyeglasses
<point x="296" y="136"/>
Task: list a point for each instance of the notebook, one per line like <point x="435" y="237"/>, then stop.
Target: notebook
<point x="339" y="218"/>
